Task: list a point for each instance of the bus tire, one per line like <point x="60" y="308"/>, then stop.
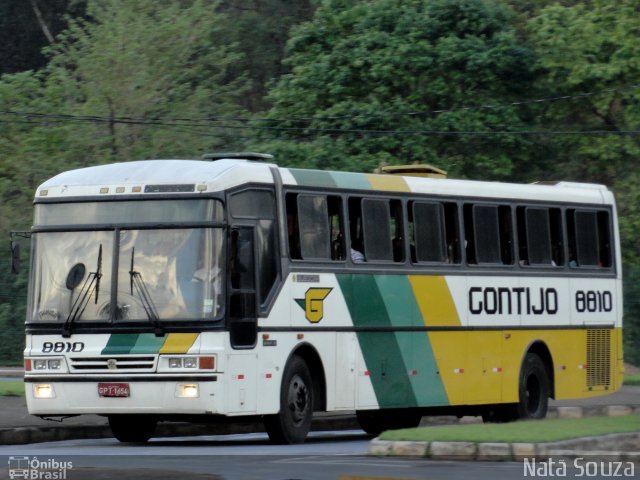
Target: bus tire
<point x="293" y="422"/>
<point x="132" y="428"/>
<point x="533" y="389"/>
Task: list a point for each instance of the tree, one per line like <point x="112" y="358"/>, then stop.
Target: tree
<point x="260" y="29"/>
<point x="410" y="66"/>
<point x="134" y="63"/>
<point x="587" y="52"/>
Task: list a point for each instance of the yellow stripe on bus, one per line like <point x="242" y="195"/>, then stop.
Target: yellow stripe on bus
<point x="434" y="299"/>
<point x="178" y="342"/>
<point x="388" y="183"/>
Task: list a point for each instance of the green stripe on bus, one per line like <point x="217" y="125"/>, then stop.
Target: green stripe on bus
<point x="381" y="351"/>
<point x="313" y="178"/>
<point x="148" y="343"/>
<point x="351" y="180"/>
<point x="422" y="368"/>
<point x="121" y="343"/>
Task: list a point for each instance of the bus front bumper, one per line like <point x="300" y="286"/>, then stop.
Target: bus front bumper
<point x="157" y="394"/>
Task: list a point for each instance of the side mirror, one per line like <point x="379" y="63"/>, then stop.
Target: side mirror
<point x="15" y="257"/>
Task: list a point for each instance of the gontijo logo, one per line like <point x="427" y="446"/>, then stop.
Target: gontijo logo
<point x="313" y="303"/>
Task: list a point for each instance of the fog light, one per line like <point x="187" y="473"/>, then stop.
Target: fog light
<point x="43" y="391"/>
<point x="175" y="363"/>
<point x="190" y="390"/>
<point x="190" y="362"/>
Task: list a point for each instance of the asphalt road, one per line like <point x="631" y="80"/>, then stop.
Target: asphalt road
<point x="326" y="455"/>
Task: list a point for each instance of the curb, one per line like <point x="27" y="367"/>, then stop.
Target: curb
<point x="624" y="447"/>
<point x="621" y="447"/>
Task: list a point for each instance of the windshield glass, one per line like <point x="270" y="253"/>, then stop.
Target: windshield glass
<point x="71" y="269"/>
<point x="161" y="272"/>
<point x="175" y="274"/>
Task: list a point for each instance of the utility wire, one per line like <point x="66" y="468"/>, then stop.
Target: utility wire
<point x="242" y="123"/>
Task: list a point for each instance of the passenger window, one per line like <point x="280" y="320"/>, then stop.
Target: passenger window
<point x="589" y="238"/>
<point x="434" y="235"/>
<point x="313" y="220"/>
<point x="488" y="234"/>
<point x="428" y="232"/>
<point x="314" y="227"/>
<point x="377" y="230"/>
<point x="539" y="236"/>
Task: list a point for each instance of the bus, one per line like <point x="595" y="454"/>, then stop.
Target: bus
<point x="198" y="290"/>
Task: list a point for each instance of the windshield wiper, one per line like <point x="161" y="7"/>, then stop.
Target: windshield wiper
<point x="90" y="285"/>
<point x="145" y="297"/>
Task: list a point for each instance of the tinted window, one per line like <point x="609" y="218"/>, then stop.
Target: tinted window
<point x="377" y="229"/>
<point x="313" y="220"/>
<point x="488" y="234"/>
<point x="429" y="232"/>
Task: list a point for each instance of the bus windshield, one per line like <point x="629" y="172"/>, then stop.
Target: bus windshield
<point x="161" y="273"/>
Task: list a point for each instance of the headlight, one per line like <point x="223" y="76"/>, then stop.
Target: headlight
<point x="188" y="362"/>
<point x="39" y="364"/>
<point x="54" y="364"/>
<point x="44" y="364"/>
<point x="191" y="362"/>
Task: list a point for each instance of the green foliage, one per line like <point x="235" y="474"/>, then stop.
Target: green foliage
<point x="144" y="60"/>
<point x="260" y="29"/>
<point x="372" y="65"/>
<point x="591" y="47"/>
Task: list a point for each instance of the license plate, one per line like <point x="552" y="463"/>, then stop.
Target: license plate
<point x="113" y="389"/>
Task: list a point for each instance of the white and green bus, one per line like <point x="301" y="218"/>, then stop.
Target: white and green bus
<point x="230" y="287"/>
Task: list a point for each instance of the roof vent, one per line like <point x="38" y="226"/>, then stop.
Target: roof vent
<point x="259" y="157"/>
<point x="428" y="171"/>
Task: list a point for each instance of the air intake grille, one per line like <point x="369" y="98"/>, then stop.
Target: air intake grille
<point x="598" y="358"/>
<point x="113" y="364"/>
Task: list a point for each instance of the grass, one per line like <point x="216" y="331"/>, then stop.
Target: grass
<point x="550" y="430"/>
<point x="632" y="379"/>
<point x="12" y="389"/>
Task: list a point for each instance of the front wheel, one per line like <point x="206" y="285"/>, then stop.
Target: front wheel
<point x="293" y="422"/>
<point x="132" y="428"/>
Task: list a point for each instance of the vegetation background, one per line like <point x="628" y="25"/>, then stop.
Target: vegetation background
<point x="486" y="89"/>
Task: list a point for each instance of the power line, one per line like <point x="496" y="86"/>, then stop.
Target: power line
<point x="46" y="118"/>
<point x="243" y="123"/>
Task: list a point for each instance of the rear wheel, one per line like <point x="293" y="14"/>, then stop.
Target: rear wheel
<point x="292" y="423"/>
<point x="533" y="388"/>
<point x="132" y="428"/>
<point x="533" y="394"/>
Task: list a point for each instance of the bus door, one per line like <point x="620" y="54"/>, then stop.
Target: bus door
<point x="242" y="319"/>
